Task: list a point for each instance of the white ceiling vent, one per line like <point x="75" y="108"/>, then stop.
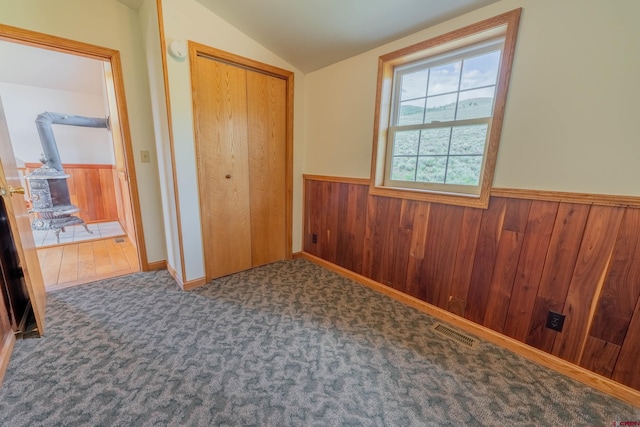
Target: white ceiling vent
<point x="452" y="334"/>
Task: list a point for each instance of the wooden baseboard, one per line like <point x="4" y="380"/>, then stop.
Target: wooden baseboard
<point x="5" y="354"/>
<point x="189" y="285"/>
<point x="561" y="366"/>
<point x="157" y="265"/>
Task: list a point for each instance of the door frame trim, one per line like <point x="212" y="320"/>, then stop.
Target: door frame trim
<point x="63" y="45"/>
<point x="198" y="49"/>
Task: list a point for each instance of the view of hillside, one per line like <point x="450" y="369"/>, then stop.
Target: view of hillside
<point x="421" y="155"/>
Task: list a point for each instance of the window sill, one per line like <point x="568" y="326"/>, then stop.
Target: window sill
<point x="473" y="201"/>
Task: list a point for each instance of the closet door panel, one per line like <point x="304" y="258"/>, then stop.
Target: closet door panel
<point x="223" y="169"/>
<point x="266" y="114"/>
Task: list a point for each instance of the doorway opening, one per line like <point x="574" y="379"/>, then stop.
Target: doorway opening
<point x="49" y="74"/>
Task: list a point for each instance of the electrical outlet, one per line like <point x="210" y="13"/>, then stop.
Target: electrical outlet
<point x="555" y="321"/>
<point x="314" y="238"/>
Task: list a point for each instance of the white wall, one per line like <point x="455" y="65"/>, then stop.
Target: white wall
<point x="148" y="15"/>
<point x="570" y="122"/>
<point x="22" y="104"/>
<point x="110" y="24"/>
<point x="189" y="20"/>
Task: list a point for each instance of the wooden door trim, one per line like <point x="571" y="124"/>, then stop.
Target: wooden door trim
<point x="197" y="49"/>
<point x="63" y="45"/>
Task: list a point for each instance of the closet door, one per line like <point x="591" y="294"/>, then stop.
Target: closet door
<point x="220" y="112"/>
<point x="266" y="115"/>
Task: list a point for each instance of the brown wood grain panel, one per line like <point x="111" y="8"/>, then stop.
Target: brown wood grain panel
<point x="379" y="217"/>
<point x="485" y="258"/>
<point x="557" y="271"/>
<point x="535" y="244"/>
<point x="108" y="194"/>
<point x="621" y="288"/>
<point x="405" y="231"/>
<point x="330" y="220"/>
<point x="390" y="241"/>
<point x="502" y="280"/>
<point x="600" y="356"/>
<point x="444" y="226"/>
<point x="344" y="255"/>
<point x="467" y="242"/>
<point x="513" y="229"/>
<point x="418" y="242"/>
<point x="626" y="370"/>
<point x="591" y="266"/>
<point x="367" y="252"/>
<point x="358" y="197"/>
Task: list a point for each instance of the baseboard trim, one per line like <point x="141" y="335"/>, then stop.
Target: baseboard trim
<point x="561" y="366"/>
<point x="157" y="265"/>
<point x="5" y="354"/>
<point x="188" y="285"/>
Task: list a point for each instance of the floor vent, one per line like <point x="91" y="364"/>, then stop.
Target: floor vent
<point x="120" y="240"/>
<point x="456" y="336"/>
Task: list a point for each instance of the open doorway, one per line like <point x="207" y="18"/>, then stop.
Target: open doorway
<point x="50" y="77"/>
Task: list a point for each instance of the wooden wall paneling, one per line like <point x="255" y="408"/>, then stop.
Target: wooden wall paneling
<point x="344" y="253"/>
<point x="485" y="258"/>
<point x="311" y="215"/>
<point x="557" y="271"/>
<point x="329" y="241"/>
<point x="621" y="288"/>
<point x="465" y="255"/>
<point x="535" y="244"/>
<point x="600" y="356"/>
<point x="626" y="370"/>
<point x="367" y="251"/>
<point x="356" y="222"/>
<point x="377" y="213"/>
<point x="417" y="247"/>
<point x="405" y="232"/>
<point x="108" y="194"/>
<point x="444" y="226"/>
<point x="587" y="279"/>
<point x="508" y="254"/>
<point x="389" y="251"/>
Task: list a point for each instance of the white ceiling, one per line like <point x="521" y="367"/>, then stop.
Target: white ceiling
<point x="32" y="66"/>
<point x="311" y="34"/>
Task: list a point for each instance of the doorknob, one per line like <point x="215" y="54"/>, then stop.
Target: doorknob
<point x="228" y="176"/>
<point x="19" y="190"/>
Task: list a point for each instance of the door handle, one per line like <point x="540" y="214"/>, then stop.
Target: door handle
<point x="19" y="190"/>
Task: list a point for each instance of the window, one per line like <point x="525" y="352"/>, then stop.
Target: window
<point x="440" y="108"/>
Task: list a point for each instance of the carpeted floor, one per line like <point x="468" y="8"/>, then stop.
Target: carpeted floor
<point x="288" y="344"/>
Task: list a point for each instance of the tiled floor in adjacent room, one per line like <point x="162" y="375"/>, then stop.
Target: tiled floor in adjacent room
<point x="77" y="233"/>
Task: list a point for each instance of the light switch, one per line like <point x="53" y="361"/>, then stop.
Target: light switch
<point x="144" y="156"/>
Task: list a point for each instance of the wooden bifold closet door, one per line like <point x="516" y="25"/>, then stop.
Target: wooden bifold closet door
<point x="240" y="122"/>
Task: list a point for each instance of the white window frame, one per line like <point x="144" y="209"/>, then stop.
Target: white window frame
<point x="465" y="42"/>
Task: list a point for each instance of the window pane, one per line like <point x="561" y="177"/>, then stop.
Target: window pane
<point x="403" y="169"/>
<point x="474" y="104"/>
<point x="431" y="169"/>
<point x="468" y="139"/>
<point x="411" y="112"/>
<point x="441" y="108"/>
<point x="464" y="170"/>
<point x="406" y="142"/>
<point x="435" y="141"/>
<point x="480" y="71"/>
<point x="414" y="85"/>
<point x="444" y="78"/>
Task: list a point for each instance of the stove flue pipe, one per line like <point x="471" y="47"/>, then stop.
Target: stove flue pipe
<point x="44" y="124"/>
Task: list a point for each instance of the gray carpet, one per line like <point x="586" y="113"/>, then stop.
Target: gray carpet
<point x="289" y="344"/>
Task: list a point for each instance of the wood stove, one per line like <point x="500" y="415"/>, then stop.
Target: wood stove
<point x="48" y="184"/>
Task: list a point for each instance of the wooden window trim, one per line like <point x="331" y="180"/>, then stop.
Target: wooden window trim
<point x="386" y="63"/>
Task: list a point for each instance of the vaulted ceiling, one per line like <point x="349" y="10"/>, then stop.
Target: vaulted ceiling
<point x="311" y="34"/>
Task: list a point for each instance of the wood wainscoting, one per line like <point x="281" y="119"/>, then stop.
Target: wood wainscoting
<point x="85" y="183"/>
<point x="504" y="267"/>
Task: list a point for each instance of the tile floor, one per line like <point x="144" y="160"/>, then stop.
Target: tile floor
<point x="77" y="233"/>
